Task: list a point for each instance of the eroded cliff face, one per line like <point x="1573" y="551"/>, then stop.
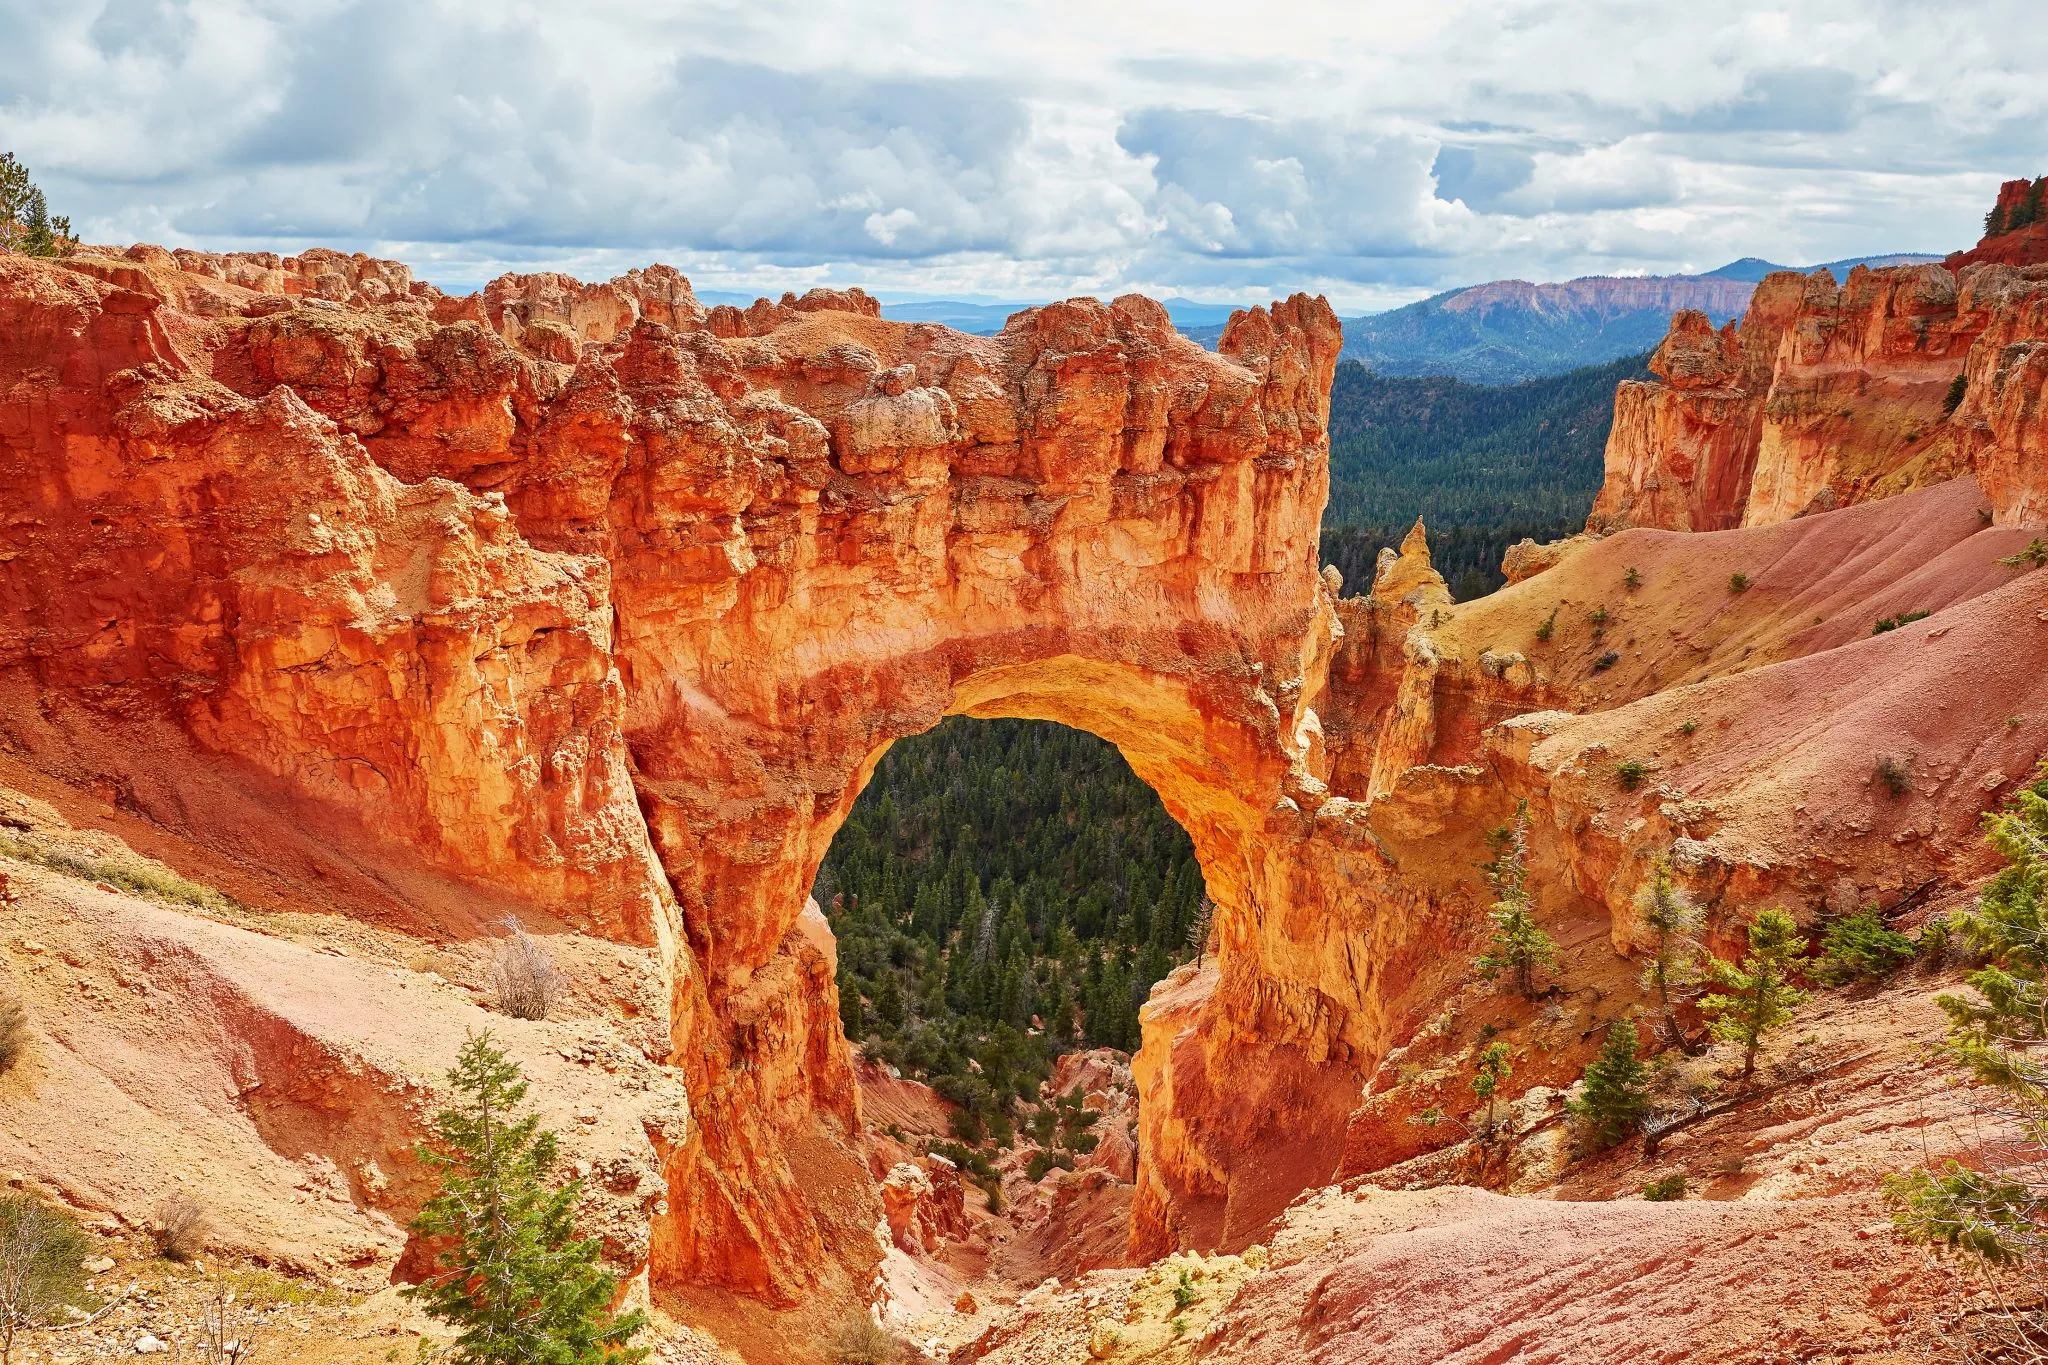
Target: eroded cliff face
<point x="1825" y="396"/>
<point x="603" y="606"/>
<point x="586" y="604"/>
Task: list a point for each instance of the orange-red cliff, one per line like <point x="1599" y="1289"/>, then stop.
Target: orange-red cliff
<point x="1824" y="395"/>
<point x="604" y="605"/>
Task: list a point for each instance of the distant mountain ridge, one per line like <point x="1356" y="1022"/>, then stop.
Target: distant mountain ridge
<point x="1509" y="331"/>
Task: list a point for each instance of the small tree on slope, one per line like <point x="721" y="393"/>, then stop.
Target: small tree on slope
<point x="1617" y="1087"/>
<point x="1674" y="920"/>
<point x="1758" y="995"/>
<point x="516" y="1280"/>
<point x="1494" y="1067"/>
<point x="1519" y="947"/>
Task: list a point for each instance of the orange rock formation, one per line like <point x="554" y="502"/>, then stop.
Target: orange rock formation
<point x="587" y="604"/>
<point x="605" y="605"/>
<point x="1826" y="395"/>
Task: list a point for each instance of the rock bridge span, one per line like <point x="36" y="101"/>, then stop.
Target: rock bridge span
<point x="590" y="602"/>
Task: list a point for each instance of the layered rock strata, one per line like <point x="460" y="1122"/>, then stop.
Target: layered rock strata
<point x="604" y="605"/>
<point x="1823" y="395"/>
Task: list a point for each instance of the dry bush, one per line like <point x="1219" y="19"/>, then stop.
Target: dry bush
<point x="527" y="979"/>
<point x="13" y="1031"/>
<point x="178" y="1227"/>
<point x="860" y="1340"/>
<point x="228" y="1325"/>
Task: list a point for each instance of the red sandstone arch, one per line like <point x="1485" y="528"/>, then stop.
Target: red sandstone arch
<point x="606" y="603"/>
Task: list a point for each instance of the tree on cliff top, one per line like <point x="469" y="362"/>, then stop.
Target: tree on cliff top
<point x="513" y="1275"/>
<point x="1519" y="947"/>
<point x="26" y="227"/>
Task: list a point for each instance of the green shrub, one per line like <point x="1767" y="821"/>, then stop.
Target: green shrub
<point x="143" y="879"/>
<point x="1617" y="1089"/>
<point x="1598" y="619"/>
<point x="13" y="1031"/>
<point x="2033" y="557"/>
<point x="1606" y="661"/>
<point x="1041" y="1162"/>
<point x="1738" y="582"/>
<point x="1631" y="772"/>
<point x="1894" y="774"/>
<point x="1547" y="627"/>
<point x="1886" y="623"/>
<point x="1688" y="726"/>
<point x="964" y="1158"/>
<point x="860" y="1340"/>
<point x="1663" y="1191"/>
<point x="1958" y="388"/>
<point x="1183" y="1288"/>
<point x="1859" y="947"/>
<point x="1633" y="579"/>
<point x="40" y="1272"/>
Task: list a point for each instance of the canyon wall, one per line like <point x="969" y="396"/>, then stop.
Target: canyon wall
<point x="1824" y="395"/>
<point x="592" y="606"/>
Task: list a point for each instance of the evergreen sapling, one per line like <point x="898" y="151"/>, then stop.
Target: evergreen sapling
<point x="513" y="1276"/>
<point x="1519" y="947"/>
<point x="1758" y="996"/>
<point x="1616" y="1094"/>
<point x="1673" y="919"/>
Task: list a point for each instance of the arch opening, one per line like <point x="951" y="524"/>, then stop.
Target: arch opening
<point x="1004" y="892"/>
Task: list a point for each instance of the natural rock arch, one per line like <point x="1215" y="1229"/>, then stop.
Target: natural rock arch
<point x="591" y="599"/>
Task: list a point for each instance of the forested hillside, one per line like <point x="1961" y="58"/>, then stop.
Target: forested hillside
<point x="1005" y="890"/>
<point x="1482" y="466"/>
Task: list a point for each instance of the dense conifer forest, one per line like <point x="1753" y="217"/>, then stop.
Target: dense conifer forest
<point x="1002" y="891"/>
<point x="1482" y="466"/>
<point x="1007" y="890"/>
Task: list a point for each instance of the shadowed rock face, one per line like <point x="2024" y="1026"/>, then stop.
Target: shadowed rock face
<point x="610" y="605"/>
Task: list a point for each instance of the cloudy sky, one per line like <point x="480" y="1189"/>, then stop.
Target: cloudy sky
<point x="1373" y="151"/>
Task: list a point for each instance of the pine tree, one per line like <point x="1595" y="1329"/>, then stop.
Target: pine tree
<point x="26" y="227"/>
<point x="1994" y="221"/>
<point x="1201" y="928"/>
<point x="523" y="1289"/>
<point x="889" y="999"/>
<point x="1758" y="996"/>
<point x="1674" y="919"/>
<point x="1519" y="947"/>
<point x="1617" y="1087"/>
<point x="851" y="1015"/>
